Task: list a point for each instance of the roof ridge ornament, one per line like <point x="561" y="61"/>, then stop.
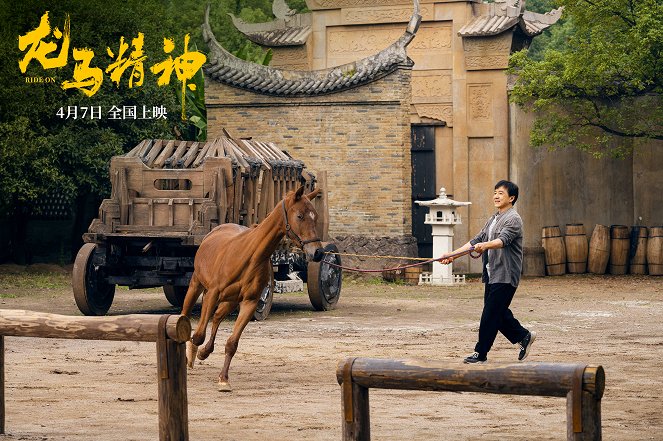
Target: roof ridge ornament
<point x="281" y="10"/>
<point x="288" y="28"/>
<point x="224" y="67"/>
<point x="506" y="14"/>
<point x="289" y="31"/>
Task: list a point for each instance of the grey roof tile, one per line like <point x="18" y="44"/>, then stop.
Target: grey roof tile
<point x="496" y="21"/>
<point x="272" y="81"/>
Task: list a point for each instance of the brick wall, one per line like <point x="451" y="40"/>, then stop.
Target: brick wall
<point x="360" y="136"/>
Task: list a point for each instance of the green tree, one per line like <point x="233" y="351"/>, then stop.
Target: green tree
<point x="41" y="152"/>
<point x="601" y="90"/>
<point x="555" y="37"/>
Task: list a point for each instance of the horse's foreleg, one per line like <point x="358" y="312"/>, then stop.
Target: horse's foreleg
<point x="246" y="311"/>
<point x="209" y="303"/>
<point x="191" y="351"/>
<point x="222" y="311"/>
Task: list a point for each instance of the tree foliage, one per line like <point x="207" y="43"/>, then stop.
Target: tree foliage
<point x="42" y="153"/>
<point x="599" y="88"/>
<point x="76" y="151"/>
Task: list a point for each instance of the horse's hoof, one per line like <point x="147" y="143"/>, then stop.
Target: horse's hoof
<point x="202" y="355"/>
<point x="191" y="350"/>
<point x="224" y="386"/>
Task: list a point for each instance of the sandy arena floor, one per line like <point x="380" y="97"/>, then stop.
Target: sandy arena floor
<point x="284" y="372"/>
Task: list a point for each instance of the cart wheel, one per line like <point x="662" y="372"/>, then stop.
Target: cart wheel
<point x="175" y="294"/>
<point x="324" y="281"/>
<point x="266" y="300"/>
<point x="92" y="293"/>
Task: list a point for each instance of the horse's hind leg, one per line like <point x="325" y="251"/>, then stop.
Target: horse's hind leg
<point x="246" y="311"/>
<point x="222" y="311"/>
<point x="192" y="294"/>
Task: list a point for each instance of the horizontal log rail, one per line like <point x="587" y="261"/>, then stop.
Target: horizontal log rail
<point x="133" y="327"/>
<point x="169" y="332"/>
<point x="582" y="385"/>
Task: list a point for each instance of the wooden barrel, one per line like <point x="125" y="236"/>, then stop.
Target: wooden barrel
<point x="619" y="246"/>
<point x="554" y="250"/>
<point x="411" y="276"/>
<point x="638" y="250"/>
<point x="408" y="276"/>
<point x="599" y="250"/>
<point x="655" y="251"/>
<point x="577" y="248"/>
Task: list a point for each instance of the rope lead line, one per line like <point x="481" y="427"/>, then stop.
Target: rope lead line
<point x="359" y="270"/>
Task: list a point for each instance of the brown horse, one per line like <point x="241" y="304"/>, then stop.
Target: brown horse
<point x="232" y="267"/>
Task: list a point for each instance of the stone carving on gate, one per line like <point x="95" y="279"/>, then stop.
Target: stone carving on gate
<point x="440" y="112"/>
<point x="335" y="4"/>
<point x="431" y="87"/>
<point x="360" y="42"/>
<point x="480" y="102"/>
<point x="487" y="52"/>
<point x="432" y="37"/>
<point x="482" y="62"/>
<point x="393" y="14"/>
<point x="500" y="44"/>
<point x="368" y="39"/>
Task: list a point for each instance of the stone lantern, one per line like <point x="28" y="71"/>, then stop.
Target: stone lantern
<point x="442" y="216"/>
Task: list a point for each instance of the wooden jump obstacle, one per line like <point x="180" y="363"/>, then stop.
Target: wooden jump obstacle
<point x="582" y="385"/>
<point x="170" y="332"/>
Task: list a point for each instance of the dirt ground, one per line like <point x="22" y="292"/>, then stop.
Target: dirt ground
<point x="284" y="374"/>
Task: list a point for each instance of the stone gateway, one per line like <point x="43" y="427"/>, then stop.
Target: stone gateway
<point x="396" y="99"/>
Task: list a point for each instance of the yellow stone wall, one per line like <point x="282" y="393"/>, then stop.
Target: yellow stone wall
<point x="360" y="136"/>
<point x="458" y="82"/>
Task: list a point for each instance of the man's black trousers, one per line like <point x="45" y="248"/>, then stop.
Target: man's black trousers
<point x="497" y="316"/>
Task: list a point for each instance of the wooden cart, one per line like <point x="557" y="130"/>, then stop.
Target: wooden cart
<point x="167" y="195"/>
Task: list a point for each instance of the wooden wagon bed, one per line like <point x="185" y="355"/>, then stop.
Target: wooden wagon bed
<point x="167" y="195"/>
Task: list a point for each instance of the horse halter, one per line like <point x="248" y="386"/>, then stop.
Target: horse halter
<point x="289" y="232"/>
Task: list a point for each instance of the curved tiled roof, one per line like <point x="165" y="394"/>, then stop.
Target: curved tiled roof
<point x="278" y="32"/>
<point x="496" y="21"/>
<point x="533" y="23"/>
<point x="224" y="67"/>
<point x="486" y="25"/>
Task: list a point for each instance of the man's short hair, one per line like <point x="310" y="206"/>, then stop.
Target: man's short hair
<point x="511" y="189"/>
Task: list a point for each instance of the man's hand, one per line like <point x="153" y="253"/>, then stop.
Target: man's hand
<point x="446" y="260"/>
<point x="480" y="247"/>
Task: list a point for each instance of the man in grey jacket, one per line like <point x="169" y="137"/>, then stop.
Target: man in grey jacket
<point x="500" y="242"/>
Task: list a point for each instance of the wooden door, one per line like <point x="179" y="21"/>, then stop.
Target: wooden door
<point x="423" y="184"/>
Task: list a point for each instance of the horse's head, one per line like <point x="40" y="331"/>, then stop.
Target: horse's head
<point x="300" y="222"/>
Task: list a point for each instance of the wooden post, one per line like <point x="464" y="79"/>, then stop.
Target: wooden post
<point x="356" y="410"/>
<point x="593" y="385"/>
<point x="173" y="405"/>
<point x="2" y="384"/>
